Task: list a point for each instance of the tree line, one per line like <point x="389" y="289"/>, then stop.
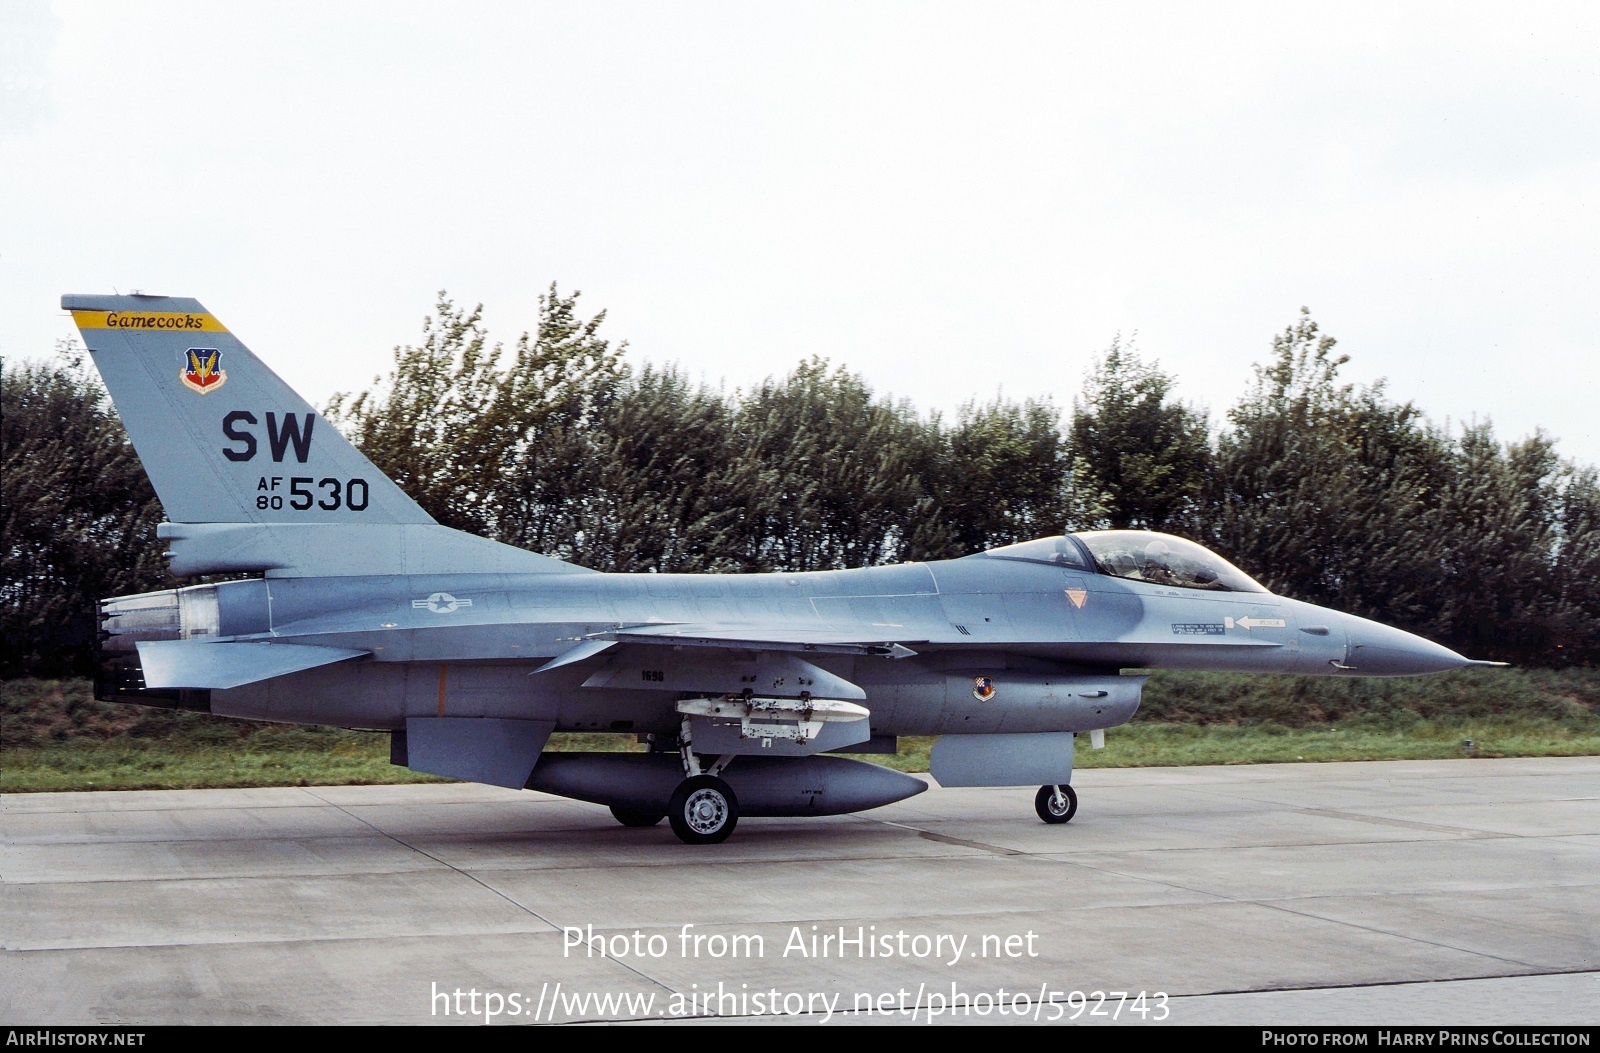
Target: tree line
<point x="1323" y="490"/>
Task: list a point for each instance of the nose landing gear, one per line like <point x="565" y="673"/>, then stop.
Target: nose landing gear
<point x="1055" y="804"/>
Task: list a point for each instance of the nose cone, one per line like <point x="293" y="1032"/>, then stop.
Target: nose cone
<point x="1380" y="650"/>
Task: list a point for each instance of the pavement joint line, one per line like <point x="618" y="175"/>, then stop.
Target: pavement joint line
<point x="1312" y="844"/>
<point x="1228" y="898"/>
<point x="1214" y="897"/>
<point x="1404" y="824"/>
<point x="1390" y="983"/>
<point x="709" y="861"/>
<point x="960" y="842"/>
<point x="1282" y="906"/>
<point x="946" y="839"/>
<point x="480" y="882"/>
<point x="429" y="855"/>
<point x="1220" y="897"/>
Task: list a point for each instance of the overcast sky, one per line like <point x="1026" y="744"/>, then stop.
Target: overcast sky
<point x="952" y="199"/>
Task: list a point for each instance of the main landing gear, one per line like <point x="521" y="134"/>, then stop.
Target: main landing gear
<point x="1055" y="804"/>
<point x="703" y="809"/>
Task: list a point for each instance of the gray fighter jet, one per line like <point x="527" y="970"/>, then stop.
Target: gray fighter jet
<point x="368" y="614"/>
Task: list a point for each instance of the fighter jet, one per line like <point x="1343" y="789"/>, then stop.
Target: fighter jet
<point x="363" y="612"/>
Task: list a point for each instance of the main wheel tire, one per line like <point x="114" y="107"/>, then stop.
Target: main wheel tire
<point x="628" y="817"/>
<point x="703" y="811"/>
<point x="1053" y="811"/>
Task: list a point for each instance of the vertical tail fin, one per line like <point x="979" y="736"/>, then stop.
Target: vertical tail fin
<point x="222" y="438"/>
<point x="251" y="476"/>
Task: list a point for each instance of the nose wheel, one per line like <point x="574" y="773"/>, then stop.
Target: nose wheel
<point x="703" y="810"/>
<point x="1055" y="804"/>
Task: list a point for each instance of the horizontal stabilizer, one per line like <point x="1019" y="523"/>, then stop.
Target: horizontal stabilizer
<point x="218" y="666"/>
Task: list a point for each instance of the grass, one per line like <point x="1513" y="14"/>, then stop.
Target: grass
<point x="55" y="736"/>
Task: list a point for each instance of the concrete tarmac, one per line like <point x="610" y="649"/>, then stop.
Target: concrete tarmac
<point x="1404" y="893"/>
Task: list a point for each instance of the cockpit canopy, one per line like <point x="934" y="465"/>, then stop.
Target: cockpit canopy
<point x="1139" y="555"/>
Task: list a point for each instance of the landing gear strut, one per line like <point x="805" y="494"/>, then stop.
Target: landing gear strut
<point x="1055" y="804"/>
<point x="704" y="809"/>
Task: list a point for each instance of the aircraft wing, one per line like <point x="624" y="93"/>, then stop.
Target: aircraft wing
<point x="755" y="638"/>
<point x="732" y="638"/>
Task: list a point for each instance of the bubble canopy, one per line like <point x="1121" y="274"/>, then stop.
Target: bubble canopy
<point x="1138" y="555"/>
